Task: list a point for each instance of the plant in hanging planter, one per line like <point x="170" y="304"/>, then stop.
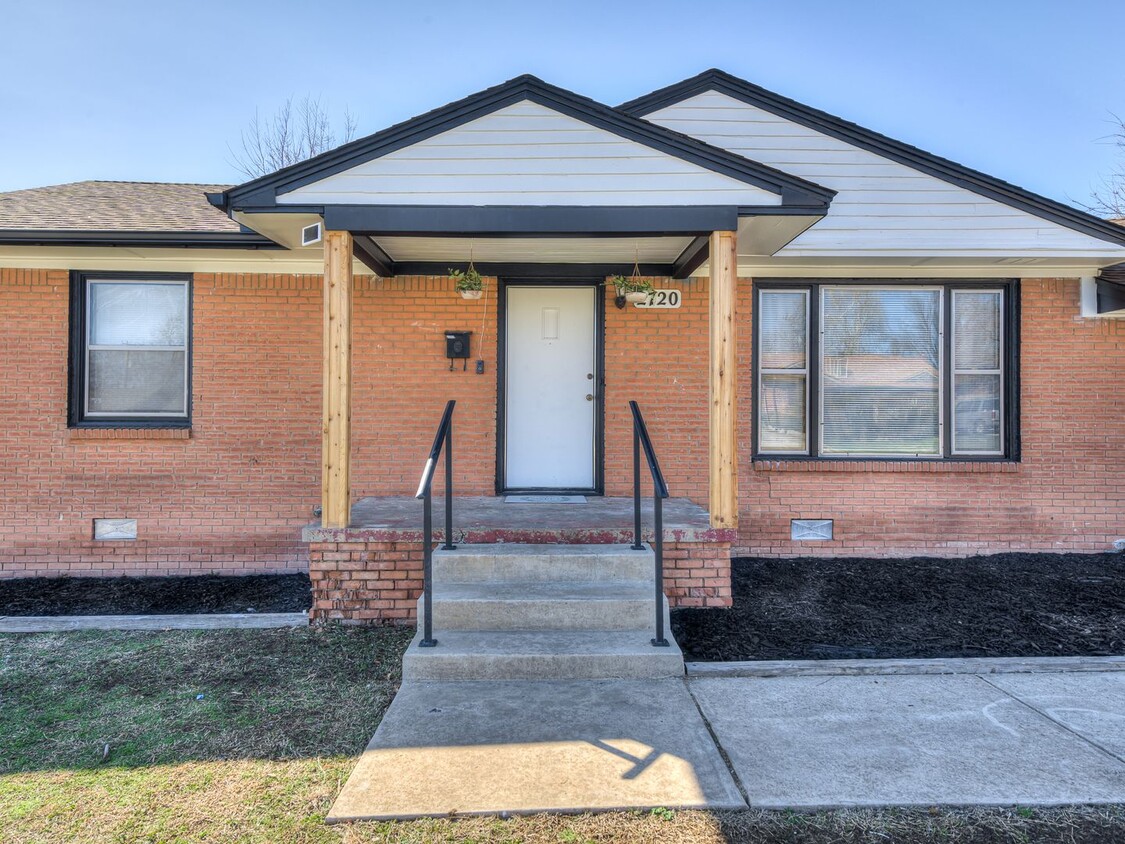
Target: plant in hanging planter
<point x="468" y="282"/>
<point x="632" y="288"/>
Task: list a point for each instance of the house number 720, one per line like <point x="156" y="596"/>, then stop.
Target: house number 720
<point x="661" y="299"/>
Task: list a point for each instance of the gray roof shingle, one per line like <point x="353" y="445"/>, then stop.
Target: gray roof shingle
<point x="114" y="207"/>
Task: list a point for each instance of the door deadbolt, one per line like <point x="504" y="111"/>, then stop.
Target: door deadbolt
<point x="589" y="397"/>
<point x="589" y="376"/>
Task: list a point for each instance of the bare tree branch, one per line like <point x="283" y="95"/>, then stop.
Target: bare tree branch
<point x="1108" y="200"/>
<point x="295" y="132"/>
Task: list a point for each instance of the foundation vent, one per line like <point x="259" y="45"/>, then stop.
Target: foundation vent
<point x="108" y="529"/>
<point x="810" y="530"/>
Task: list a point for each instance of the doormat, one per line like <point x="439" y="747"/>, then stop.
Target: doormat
<point x="545" y="499"/>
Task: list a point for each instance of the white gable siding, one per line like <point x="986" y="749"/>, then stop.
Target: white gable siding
<point x="883" y="208"/>
<point x="527" y="154"/>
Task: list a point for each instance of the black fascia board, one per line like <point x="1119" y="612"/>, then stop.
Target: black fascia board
<point x="531" y="220"/>
<point x="372" y="256"/>
<point x="264" y="190"/>
<point x="153" y="239"/>
<point x="692" y="257"/>
<point x="531" y="269"/>
<point x="911" y="156"/>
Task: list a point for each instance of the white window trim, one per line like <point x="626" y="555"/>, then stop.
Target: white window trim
<point x="88" y="346"/>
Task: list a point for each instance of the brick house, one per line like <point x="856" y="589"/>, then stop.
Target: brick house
<point x="852" y="347"/>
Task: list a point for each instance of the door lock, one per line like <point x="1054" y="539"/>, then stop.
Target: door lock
<point x="589" y="376"/>
<point x="589" y="397"/>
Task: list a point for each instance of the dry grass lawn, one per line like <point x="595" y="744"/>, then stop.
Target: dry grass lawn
<point x="246" y="736"/>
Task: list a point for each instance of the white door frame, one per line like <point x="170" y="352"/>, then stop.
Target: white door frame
<point x="597" y="385"/>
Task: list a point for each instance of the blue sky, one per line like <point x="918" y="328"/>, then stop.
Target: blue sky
<point x="156" y="91"/>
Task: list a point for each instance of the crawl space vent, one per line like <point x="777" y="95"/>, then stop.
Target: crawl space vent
<point x="810" y="530"/>
<point x="105" y="529"/>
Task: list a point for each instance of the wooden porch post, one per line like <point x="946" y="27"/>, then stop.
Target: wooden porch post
<point x="723" y="376"/>
<point x="337" y="419"/>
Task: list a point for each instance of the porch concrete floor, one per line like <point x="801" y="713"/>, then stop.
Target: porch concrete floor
<point x="487" y="519"/>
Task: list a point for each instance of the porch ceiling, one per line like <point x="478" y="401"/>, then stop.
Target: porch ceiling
<point x="562" y="250"/>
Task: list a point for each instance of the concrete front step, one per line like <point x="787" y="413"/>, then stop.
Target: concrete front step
<point x="539" y="563"/>
<point x="546" y="605"/>
<point x="542" y="655"/>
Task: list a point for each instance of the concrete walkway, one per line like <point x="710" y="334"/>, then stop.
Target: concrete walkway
<point x="533" y="746"/>
<point x="791" y="741"/>
<point x="924" y="739"/>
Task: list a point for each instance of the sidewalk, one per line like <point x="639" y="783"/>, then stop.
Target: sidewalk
<point x="1000" y="739"/>
<point x="797" y="742"/>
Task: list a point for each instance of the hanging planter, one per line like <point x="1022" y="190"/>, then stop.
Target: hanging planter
<point x="468" y="282"/>
<point x="631" y="288"/>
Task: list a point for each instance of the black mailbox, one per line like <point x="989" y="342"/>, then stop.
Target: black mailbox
<point x="457" y="344"/>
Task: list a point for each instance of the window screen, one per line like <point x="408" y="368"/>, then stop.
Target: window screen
<point x="880" y="371"/>
<point x="136" y="349"/>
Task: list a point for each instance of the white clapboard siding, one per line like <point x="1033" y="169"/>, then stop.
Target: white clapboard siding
<point x="527" y="154"/>
<point x="882" y="208"/>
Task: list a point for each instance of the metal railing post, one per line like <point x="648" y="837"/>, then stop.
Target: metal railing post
<point x="449" y="546"/>
<point x="658" y="548"/>
<point x="637" y="544"/>
<point x="428" y="640"/>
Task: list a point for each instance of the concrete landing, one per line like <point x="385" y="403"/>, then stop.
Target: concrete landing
<point x="471" y="748"/>
<point x="484" y="519"/>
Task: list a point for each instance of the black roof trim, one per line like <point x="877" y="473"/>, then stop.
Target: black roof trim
<point x="155" y="239"/>
<point x="529" y="269"/>
<point x="911" y="156"/>
<point x="532" y="220"/>
<point x="262" y="192"/>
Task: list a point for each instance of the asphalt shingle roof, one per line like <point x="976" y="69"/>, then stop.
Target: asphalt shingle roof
<point x="114" y="206"/>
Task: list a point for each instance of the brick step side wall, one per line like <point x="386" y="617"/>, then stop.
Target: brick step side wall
<point x="380" y="582"/>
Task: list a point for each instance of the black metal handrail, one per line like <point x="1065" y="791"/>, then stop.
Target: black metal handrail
<point x="641" y="441"/>
<point x="443" y="438"/>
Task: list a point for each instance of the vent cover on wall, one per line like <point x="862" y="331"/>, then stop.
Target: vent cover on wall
<point x="804" y="530"/>
<point x="109" y="529"/>
<point x="311" y="234"/>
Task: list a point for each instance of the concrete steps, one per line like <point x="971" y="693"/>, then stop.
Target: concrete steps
<point x="543" y="612"/>
<point x="544" y="605"/>
<point x="542" y="655"/>
<point x="542" y="563"/>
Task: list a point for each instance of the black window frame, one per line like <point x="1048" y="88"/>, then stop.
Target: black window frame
<point x="1010" y="394"/>
<point x="79" y="286"/>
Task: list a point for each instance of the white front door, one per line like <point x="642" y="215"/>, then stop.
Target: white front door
<point x="550" y="387"/>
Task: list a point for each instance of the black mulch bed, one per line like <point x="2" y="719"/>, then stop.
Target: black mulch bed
<point x="922" y="607"/>
<point x="191" y="595"/>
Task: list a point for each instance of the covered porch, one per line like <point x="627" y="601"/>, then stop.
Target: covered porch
<point x="539" y="520"/>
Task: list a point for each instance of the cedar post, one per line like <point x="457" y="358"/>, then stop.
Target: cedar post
<point x="723" y="497"/>
<point x="337" y="387"/>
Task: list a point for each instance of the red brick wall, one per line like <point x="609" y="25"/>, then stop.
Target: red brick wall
<point x="233" y="496"/>
<point x="1067" y="493"/>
